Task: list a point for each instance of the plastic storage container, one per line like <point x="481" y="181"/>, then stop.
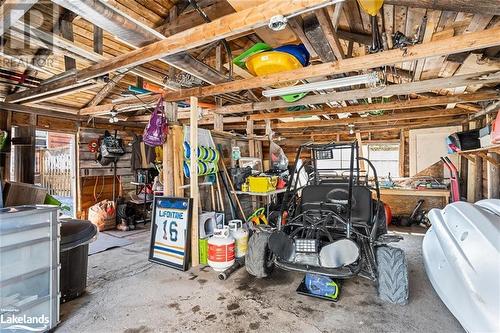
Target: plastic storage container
<point x="29" y="267"/>
<point x="262" y="184"/>
<point x="495" y="133"/>
<point x="75" y="238"/>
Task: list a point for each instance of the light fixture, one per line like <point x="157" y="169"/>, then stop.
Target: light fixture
<point x="351" y="129"/>
<point x="114" y="118"/>
<point x="280" y="22"/>
<point x="370" y="79"/>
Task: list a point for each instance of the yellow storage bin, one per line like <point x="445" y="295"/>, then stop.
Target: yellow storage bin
<point x="262" y="184"/>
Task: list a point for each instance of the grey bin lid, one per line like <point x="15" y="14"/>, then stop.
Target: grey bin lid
<point x="75" y="233"/>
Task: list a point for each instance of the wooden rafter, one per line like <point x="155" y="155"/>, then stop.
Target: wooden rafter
<point x="62" y="46"/>
<point x="403" y="89"/>
<point x="396" y="89"/>
<point x="394" y="105"/>
<point x="476" y="6"/>
<point x="330" y="34"/>
<point x="226" y="26"/>
<point x="106" y="90"/>
<point x="66" y="28"/>
<point x="467" y="42"/>
<point x="372" y="119"/>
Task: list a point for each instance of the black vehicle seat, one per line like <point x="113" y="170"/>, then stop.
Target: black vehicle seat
<point x="313" y="195"/>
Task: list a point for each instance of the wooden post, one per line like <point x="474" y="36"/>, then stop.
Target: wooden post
<point x="194" y="190"/>
<point x="402" y="153"/>
<point x="494" y="177"/>
<point x="464" y="170"/>
<point x="168" y="166"/>
<point x="218" y="118"/>
<point x="251" y="150"/>
<point x="219" y="65"/>
<point x="250" y="135"/>
<point x="269" y="134"/>
<point x="362" y="166"/>
<point x="98" y="40"/>
<point x="478" y="179"/>
<point x="178" y="150"/>
<point x="478" y="174"/>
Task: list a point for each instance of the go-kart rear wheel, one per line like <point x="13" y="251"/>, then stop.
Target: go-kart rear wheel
<point x="392" y="282"/>
<point x="258" y="260"/>
<point x="382" y="221"/>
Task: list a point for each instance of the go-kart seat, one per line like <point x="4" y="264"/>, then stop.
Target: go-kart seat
<point x="314" y="195"/>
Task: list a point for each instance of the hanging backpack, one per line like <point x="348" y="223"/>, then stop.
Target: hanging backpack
<point x="156" y="130"/>
<point x="110" y="149"/>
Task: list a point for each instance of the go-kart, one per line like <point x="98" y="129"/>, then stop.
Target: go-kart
<point x="332" y="223"/>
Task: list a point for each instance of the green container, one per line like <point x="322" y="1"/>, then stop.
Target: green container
<point x="257" y="48"/>
<point x="203" y="249"/>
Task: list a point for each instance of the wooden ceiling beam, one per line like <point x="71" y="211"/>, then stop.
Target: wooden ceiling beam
<point x="297" y="26"/>
<point x="457" y="44"/>
<point x="62" y="46"/>
<point x="106" y="90"/>
<point x="66" y="27"/>
<point x="396" y="89"/>
<point x="394" y="105"/>
<point x="382" y="128"/>
<point x="224" y="27"/>
<point x="401" y="89"/>
<point x="476" y="6"/>
<point x="331" y="35"/>
<point x="4" y="106"/>
<point x="374" y="119"/>
<point x="273" y="38"/>
<point x="360" y="127"/>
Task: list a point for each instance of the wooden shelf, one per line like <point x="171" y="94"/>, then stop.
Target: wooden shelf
<point x="416" y="192"/>
<point x="261" y="194"/>
<point x="482" y="153"/>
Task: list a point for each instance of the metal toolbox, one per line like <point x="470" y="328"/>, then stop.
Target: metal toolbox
<point x="29" y="268"/>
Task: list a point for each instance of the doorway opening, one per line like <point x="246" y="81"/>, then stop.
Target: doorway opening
<point x="55" y="170"/>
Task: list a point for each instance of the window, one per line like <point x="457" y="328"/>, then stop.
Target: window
<point x="334" y="159"/>
<point x="384" y="157"/>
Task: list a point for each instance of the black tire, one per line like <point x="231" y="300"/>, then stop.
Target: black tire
<point x="392" y="283"/>
<point x="382" y="219"/>
<point x="258" y="260"/>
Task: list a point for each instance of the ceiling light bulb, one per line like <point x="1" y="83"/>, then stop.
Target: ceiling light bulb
<point x="351" y="129"/>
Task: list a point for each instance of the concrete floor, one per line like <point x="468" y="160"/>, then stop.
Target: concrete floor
<point x="128" y="294"/>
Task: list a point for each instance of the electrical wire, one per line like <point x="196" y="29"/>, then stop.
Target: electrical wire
<point x="96" y="197"/>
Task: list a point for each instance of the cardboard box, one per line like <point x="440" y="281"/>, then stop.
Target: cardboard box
<point x="18" y="194"/>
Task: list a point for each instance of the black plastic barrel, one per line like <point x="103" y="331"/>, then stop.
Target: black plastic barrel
<point x="75" y="238"/>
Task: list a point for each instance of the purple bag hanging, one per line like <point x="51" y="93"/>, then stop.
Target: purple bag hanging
<point x="156" y="130"/>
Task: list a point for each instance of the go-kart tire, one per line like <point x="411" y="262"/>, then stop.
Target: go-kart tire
<point x="392" y="282"/>
<point x="258" y="261"/>
<point x="382" y="221"/>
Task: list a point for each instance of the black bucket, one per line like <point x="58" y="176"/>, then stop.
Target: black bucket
<point x="75" y="238"/>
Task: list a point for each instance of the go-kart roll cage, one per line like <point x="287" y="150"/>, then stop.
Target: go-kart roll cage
<point x="354" y="172"/>
<point x="314" y="221"/>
